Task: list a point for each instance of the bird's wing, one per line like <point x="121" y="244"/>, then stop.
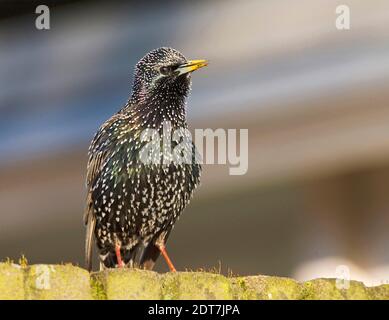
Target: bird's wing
<point x="98" y="153"/>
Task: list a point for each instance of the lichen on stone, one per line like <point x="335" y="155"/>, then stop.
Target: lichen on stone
<point x="66" y="281"/>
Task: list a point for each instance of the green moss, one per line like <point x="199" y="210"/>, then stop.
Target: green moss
<point x="11" y="282"/>
<point x="97" y="288"/>
<point x="70" y="282"/>
<point x="356" y="291"/>
<point x="241" y="291"/>
<point x="170" y="287"/>
<point x="279" y="288"/>
<point x="266" y="288"/>
<point x="306" y="290"/>
<point x="326" y="289"/>
<point x="59" y="282"/>
<point x="196" y="285"/>
<point x="131" y="284"/>
<point x="321" y="289"/>
<point x="379" y="293"/>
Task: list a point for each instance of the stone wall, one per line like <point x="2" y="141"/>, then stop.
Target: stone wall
<point x="71" y="282"/>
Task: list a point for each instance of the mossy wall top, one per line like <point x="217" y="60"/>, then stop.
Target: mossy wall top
<point x="70" y="282"/>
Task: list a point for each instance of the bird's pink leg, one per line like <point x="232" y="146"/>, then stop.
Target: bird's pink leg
<point x="165" y="255"/>
<point x="119" y="256"/>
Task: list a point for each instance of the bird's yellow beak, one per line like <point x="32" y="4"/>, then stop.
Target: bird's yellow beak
<point x="191" y="66"/>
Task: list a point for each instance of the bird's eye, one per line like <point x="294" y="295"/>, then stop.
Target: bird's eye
<point x="166" y="70"/>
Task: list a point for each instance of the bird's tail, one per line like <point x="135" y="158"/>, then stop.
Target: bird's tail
<point x="90" y="227"/>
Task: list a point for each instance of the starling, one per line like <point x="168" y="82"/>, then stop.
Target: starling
<point x="132" y="205"/>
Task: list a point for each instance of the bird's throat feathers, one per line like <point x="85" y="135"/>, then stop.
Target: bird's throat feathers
<point x="156" y="105"/>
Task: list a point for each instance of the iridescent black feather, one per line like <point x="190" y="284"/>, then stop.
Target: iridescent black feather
<point x="129" y="202"/>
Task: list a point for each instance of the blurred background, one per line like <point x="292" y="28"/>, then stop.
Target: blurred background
<point x="315" y="101"/>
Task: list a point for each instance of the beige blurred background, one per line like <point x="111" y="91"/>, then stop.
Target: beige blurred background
<point x="315" y="100"/>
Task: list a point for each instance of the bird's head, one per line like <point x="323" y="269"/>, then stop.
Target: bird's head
<point x="164" y="74"/>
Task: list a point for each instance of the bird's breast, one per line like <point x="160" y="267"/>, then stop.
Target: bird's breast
<point x="142" y="200"/>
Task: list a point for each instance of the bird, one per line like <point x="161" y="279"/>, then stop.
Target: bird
<point x="133" y="204"/>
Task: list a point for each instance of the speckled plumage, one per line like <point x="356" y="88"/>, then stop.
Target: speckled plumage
<point x="129" y="202"/>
